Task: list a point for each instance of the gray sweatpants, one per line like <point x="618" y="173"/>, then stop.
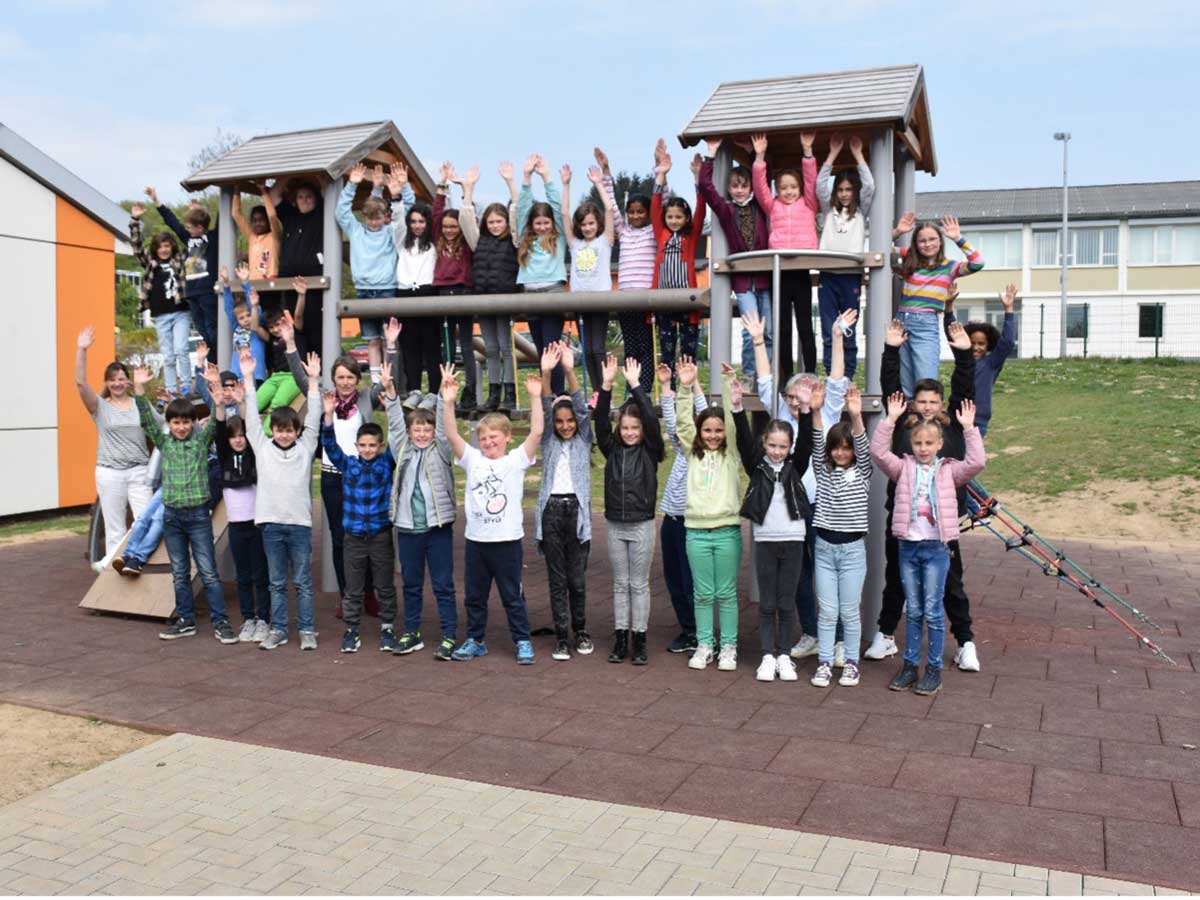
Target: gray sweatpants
<point x="497" y="339"/>
<point x="631" y="550"/>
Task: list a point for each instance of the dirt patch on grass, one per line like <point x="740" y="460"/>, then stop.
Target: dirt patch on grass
<point x="32" y="537"/>
<point x="39" y="748"/>
<point x="1143" y="511"/>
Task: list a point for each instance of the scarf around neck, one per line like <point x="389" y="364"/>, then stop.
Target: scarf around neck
<point x="346" y="408"/>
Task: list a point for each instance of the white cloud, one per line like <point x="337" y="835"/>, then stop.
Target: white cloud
<point x="13" y="48"/>
<point x="238" y="15"/>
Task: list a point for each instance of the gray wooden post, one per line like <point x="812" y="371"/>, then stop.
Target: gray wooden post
<point x="720" y="326"/>
<point x="331" y="339"/>
<point x="227" y="258"/>
<point x="906" y="199"/>
<point x="879" y="314"/>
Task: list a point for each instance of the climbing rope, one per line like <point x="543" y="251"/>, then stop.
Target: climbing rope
<point x="989" y="513"/>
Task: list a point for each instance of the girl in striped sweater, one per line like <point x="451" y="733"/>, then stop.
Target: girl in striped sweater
<point x="927" y="275"/>
<point x="842" y="465"/>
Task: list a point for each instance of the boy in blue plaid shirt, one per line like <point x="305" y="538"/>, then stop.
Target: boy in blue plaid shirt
<point x="367" y="519"/>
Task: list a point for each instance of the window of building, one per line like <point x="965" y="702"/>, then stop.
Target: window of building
<point x="1092" y="246"/>
<point x="1164" y="244"/>
<point x="1000" y="249"/>
<point x="1151" y="320"/>
<point x="1077" y="320"/>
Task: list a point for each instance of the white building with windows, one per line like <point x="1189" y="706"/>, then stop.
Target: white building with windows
<point x="1133" y="259"/>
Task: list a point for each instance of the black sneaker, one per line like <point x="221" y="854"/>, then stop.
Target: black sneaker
<point x="130" y="567"/>
<point x="683" y="643"/>
<point x="178" y="629"/>
<point x="224" y="632"/>
<point x="444" y="649"/>
<point x="351" y="641"/>
<point x="930" y="683"/>
<point x="583" y="643"/>
<point x="561" y="651"/>
<point x="905" y="678"/>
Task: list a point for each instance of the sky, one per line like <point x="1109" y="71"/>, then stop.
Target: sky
<point x="125" y="93"/>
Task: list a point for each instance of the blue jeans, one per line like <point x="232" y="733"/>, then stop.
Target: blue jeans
<point x="840" y="570"/>
<point x="289" y="547"/>
<point x="372" y="329"/>
<point x="755" y="301"/>
<point x="147" y="531"/>
<point x="677" y="573"/>
<point x="204" y="317"/>
<point x="919" y="355"/>
<point x="483" y="563"/>
<point x="923" y="568"/>
<point x="173" y="332"/>
<point x="434" y="547"/>
<point x="188" y="532"/>
<point x="839" y="292"/>
<point x="250" y="563"/>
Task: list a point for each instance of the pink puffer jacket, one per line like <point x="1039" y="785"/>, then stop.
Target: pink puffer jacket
<point x="951" y="474"/>
<point x="793" y="225"/>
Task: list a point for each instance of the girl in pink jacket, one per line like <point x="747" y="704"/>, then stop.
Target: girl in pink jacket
<point x="792" y="213"/>
<point x="924" y="520"/>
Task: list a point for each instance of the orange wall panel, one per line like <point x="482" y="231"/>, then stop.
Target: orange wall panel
<point x="84" y="268"/>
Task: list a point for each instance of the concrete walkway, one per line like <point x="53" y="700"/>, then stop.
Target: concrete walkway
<point x="195" y="815"/>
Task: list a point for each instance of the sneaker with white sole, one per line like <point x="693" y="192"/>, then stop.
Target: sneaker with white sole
<point x="223" y="632"/>
<point x="966" y="658"/>
<point x="308" y="640"/>
<point x="806" y="646"/>
<point x="727" y="660"/>
<point x="849" y="675"/>
<point x="261" y="630"/>
<point x="767" y="669"/>
<point x="701" y="658"/>
<point x="839" y="654"/>
<point x="246" y="635"/>
<point x="787" y="668"/>
<point x="275" y="638"/>
<point x="882" y="646"/>
<point x="823" y="676"/>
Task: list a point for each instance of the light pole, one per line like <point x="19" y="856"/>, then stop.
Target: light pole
<point x="1064" y="244"/>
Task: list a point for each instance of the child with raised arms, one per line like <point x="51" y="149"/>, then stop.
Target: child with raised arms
<point x="591" y="241"/>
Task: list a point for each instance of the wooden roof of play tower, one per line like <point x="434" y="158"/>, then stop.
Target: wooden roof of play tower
<point x="836" y="101"/>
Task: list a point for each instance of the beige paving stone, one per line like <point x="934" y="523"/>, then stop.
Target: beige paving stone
<point x="925" y="884"/>
<point x="756" y="877"/>
<point x="884" y="863"/>
<point x="809" y="879"/>
<point x="655" y="874"/>
<point x="36" y="885"/>
<point x="1031" y="872"/>
<point x="1064" y="884"/>
<point x="707" y="876"/>
<point x="981" y="865"/>
<point x="833" y="861"/>
<point x="574" y="886"/>
<point x="1011" y="882"/>
<point x="960" y="881"/>
<point x="1091" y="882"/>
<point x="789" y="861"/>
<point x="607" y="874"/>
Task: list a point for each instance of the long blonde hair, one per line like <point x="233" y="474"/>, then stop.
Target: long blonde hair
<point x="548" y="242"/>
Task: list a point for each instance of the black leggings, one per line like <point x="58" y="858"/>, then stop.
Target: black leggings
<point x="594" y="327"/>
<point x="777" y="566"/>
<point x="464" y="327"/>
<point x="796" y="289"/>
<point x="420" y="340"/>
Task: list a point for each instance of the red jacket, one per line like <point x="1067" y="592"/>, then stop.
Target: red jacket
<point x="449" y="270"/>
<point x="689" y="241"/>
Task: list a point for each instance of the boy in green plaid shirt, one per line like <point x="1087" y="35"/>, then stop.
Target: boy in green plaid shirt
<point x="187" y="525"/>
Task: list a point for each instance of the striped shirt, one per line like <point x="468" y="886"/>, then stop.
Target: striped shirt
<point x="674" y="498"/>
<point x="673" y="272"/>
<point x="635" y="265"/>
<point x="926" y="289"/>
<point x="842" y="494"/>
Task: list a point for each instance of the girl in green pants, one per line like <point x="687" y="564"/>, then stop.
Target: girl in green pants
<point x="714" y="531"/>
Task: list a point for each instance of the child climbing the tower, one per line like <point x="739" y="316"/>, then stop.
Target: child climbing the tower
<point x="927" y="274"/>
<point x="263" y="233"/>
<point x="161" y="293"/>
<point x="924" y="521"/>
<point x="590" y="240"/>
<point x="792" y="211"/>
<point x="845" y="200"/>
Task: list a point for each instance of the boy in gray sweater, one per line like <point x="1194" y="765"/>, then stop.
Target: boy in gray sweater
<point x="283" y="502"/>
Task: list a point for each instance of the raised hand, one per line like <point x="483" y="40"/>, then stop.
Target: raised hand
<point x="854" y="401"/>
<point x="239" y="393"/>
<point x="660" y="150"/>
<point x="895" y="334"/>
<point x="896" y="405"/>
<point x="153" y="195"/>
<point x="805" y="389"/>
<point x="806" y="141"/>
<point x="735" y="393"/>
<point x="223" y="275"/>
<point x="212" y="374"/>
<point x="1008" y="297"/>
<point x="385" y="381"/>
<point x="449" y="388"/>
<point x="608" y="371"/>
<point x="550" y="357"/>
<point x="377" y="175"/>
<point x="566" y="356"/>
<point x="543" y="167"/>
<point x="394" y="185"/>
<point x="633" y="371"/>
<point x="242" y="272"/>
<point x="601" y="159"/>
<point x="86" y="338"/>
<point x="713" y="144"/>
<point x="141" y="376"/>
<point x="400" y="172"/>
<point x="472" y="175"/>
<point x="817" y="396"/>
<point x="202" y="349"/>
<point x="530" y="164"/>
<point x="565" y="173"/>
<point x="287" y="328"/>
<point x="907" y="223"/>
<point x="836" y="143"/>
<point x="595" y="175"/>
<point x="137" y="210"/>
<point x="246" y="363"/>
<point x="329" y="403"/>
<point x="966" y="414"/>
<point x="300" y="286"/>
<point x="950" y="228"/>
<point x="312" y="367"/>
<point x="506" y="170"/>
<point x="391" y="331"/>
<point x="951" y="295"/>
<point x="849" y="317"/>
<point x="533" y="387"/>
<point x="755" y="326"/>
<point x="728" y="371"/>
<point x="686" y="370"/>
<point x="357" y="173"/>
<point x="856" y="148"/>
<point x="959" y="339"/>
<point x="759" y="143"/>
<point x="452" y="175"/>
<point x="695" y="165"/>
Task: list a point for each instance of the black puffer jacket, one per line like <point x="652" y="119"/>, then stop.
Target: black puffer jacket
<point x="763" y="477"/>
<point x="238" y="470"/>
<point x="630" y="473"/>
<point x="494" y="267"/>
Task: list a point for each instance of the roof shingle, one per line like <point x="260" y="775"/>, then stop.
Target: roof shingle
<point x="1043" y="204"/>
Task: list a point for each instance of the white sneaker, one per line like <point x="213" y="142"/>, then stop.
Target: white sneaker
<point x="806" y="646"/>
<point x="727" y="661"/>
<point x="849" y="675"/>
<point x="701" y="658"/>
<point x="882" y="646"/>
<point x="261" y="630"/>
<point x="767" y="669"/>
<point x="823" y="676"/>
<point x="274" y="638"/>
<point x="249" y="628"/>
<point x="308" y="640"/>
<point x="966" y="658"/>
<point x="787" y="668"/>
<point x="839" y="654"/>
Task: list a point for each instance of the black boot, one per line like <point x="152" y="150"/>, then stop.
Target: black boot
<point x="466" y="405"/>
<point x="493" y="400"/>
<point x="620" y="647"/>
<point x="639" y="648"/>
<point x="509" y="403"/>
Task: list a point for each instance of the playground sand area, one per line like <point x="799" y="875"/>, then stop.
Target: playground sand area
<point x="39" y="748"/>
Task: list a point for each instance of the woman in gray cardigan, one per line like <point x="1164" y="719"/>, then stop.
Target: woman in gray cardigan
<point x="563" y="515"/>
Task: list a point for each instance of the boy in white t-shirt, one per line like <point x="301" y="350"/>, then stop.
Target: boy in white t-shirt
<point x="495" y="521"/>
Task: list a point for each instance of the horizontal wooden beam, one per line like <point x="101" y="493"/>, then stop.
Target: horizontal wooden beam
<point x="269" y="285"/>
<point x="535" y="303"/>
<point x="805" y="261"/>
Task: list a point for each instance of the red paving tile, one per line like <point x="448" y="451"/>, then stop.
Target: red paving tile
<point x="1060" y="684"/>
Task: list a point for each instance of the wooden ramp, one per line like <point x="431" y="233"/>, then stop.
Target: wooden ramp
<point x="153" y="592"/>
